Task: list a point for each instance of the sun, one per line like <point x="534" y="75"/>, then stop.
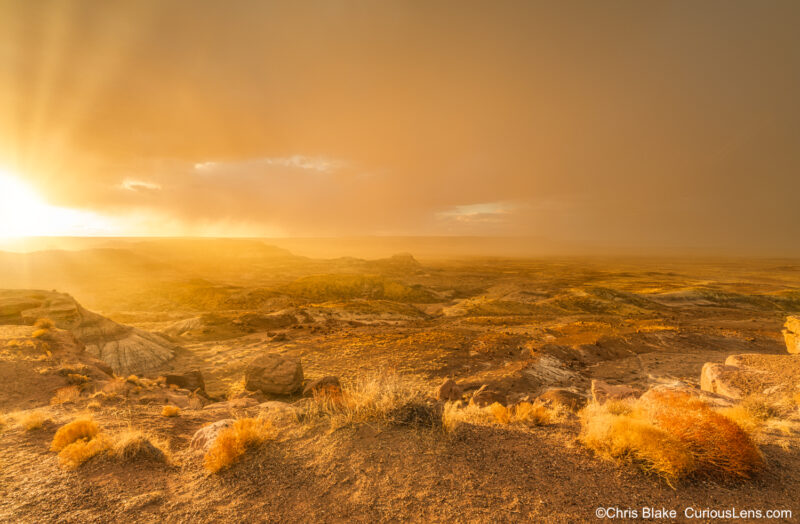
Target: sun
<point x="24" y="213"/>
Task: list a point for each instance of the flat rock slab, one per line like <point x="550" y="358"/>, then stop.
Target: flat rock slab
<point x="743" y="375"/>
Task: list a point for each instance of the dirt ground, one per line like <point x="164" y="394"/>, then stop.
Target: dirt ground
<point x="520" y="327"/>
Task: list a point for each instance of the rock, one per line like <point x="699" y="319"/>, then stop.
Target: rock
<point x="719" y="378"/>
<point x="791" y="334"/>
<point x="603" y="391"/>
<point x="193" y="381"/>
<point x="563" y="397"/>
<point x="449" y="391"/>
<point x="205" y="436"/>
<point x="126" y="349"/>
<point x="274" y="374"/>
<point x="484" y="397"/>
<point x="715" y="399"/>
<point x="330" y="384"/>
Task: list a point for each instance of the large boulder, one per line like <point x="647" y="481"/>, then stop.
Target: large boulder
<point x="274" y="374"/>
<point x="603" y="391"/>
<point x="791" y="334"/>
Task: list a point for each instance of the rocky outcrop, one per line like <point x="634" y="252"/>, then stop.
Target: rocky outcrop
<point x="274" y="374"/>
<point x="193" y="381"/>
<point x="791" y="334"/>
<point x="563" y="397"/>
<point x="126" y="349"/>
<point x="743" y="375"/>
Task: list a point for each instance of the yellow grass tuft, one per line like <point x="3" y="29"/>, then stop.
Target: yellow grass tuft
<point x="133" y="445"/>
<point x="44" y="323"/>
<point x="66" y="394"/>
<point x="387" y="398"/>
<point x="31" y="420"/>
<point x="630" y="438"/>
<point x="170" y="411"/>
<point x="524" y="413"/>
<point x="234" y="441"/>
<point x="77" y="379"/>
<point x="670" y="434"/>
<point x="82" y="428"/>
<point x="75" y="454"/>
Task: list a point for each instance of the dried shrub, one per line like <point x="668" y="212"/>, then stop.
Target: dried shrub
<point x="170" y="411"/>
<point x="524" y="413"/>
<point x="31" y="420"/>
<point x="384" y="398"/>
<point x="65" y="395"/>
<point x="629" y="438"/>
<point x="44" y="323"/>
<point x="131" y="445"/>
<point x="718" y="444"/>
<point x="82" y="428"/>
<point x="75" y="454"/>
<point x="671" y="434"/>
<point x="77" y="379"/>
<point x="233" y="442"/>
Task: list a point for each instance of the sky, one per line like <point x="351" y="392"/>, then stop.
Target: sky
<point x="619" y="124"/>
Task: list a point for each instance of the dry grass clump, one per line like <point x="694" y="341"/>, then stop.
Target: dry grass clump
<point x="42" y="328"/>
<point x="524" y="413"/>
<point x="82" y="428"/>
<point x="78" y="441"/>
<point x="631" y="437"/>
<point x="233" y="442"/>
<point x="670" y="434"/>
<point x="386" y="398"/>
<point x="75" y="454"/>
<point x="170" y="411"/>
<point x="77" y="379"/>
<point x="65" y="394"/>
<point x="133" y="445"/>
<point x="31" y="420"/>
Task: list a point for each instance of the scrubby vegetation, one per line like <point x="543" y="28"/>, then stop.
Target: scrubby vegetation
<point x="341" y="287"/>
<point x="31" y="420"/>
<point x="133" y="444"/>
<point x="670" y="434"/>
<point x="386" y="398"/>
<point x="65" y="395"/>
<point x="523" y="414"/>
<point x="233" y="442"/>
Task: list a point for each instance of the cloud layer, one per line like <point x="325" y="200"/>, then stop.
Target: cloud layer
<point x="642" y="125"/>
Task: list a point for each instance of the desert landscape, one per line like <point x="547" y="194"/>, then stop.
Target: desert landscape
<point x="334" y="261"/>
<point x="207" y="380"/>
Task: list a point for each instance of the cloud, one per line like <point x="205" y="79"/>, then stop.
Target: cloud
<point x="487" y="212"/>
<point x="139" y="185"/>
<point x="300" y="162"/>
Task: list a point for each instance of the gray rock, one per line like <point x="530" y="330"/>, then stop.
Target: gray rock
<point x="274" y="374"/>
<point x="205" y="436"/>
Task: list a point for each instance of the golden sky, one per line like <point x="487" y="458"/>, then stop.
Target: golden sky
<point x="623" y="123"/>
